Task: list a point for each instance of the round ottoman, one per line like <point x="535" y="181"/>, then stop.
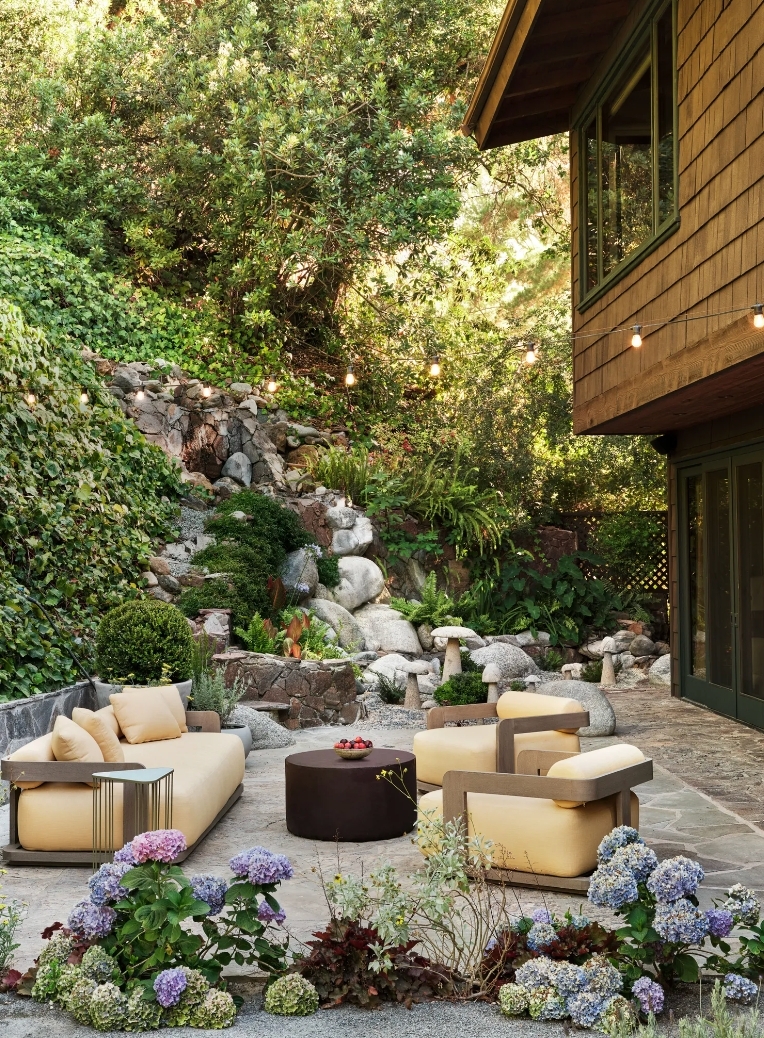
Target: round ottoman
<point x="328" y="798"/>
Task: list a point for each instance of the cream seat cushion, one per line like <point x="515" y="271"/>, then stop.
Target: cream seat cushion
<point x="171" y="696"/>
<point x="208" y="768"/>
<point x="38" y="750"/>
<point x="534" y="835"/>
<point x="102" y="732"/>
<point x="439" y="750"/>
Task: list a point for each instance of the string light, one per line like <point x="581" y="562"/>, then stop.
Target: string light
<point x="206" y="391"/>
<point x="140" y="395"/>
<point x="31" y="399"/>
<point x="636" y="339"/>
<point x="349" y="376"/>
<point x="272" y="385"/>
<point x="758" y="315"/>
<point x="435" y="366"/>
<point x="83" y="397"/>
<point x="530" y="355"/>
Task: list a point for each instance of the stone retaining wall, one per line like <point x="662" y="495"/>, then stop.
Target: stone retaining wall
<point x="25" y="719"/>
<point x="318" y="692"/>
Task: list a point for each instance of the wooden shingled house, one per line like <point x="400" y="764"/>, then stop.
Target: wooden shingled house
<point x="664" y="104"/>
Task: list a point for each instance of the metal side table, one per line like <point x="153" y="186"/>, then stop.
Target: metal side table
<point x="146" y="799"/>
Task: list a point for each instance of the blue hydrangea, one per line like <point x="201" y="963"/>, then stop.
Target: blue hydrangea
<point x="261" y="867"/>
<point x="675" y="878"/>
<point x="541" y="935"/>
<point x="601" y="978"/>
<point x="555" y="1007"/>
<point x="586" y="1007"/>
<point x="619" y="837"/>
<point x="637" y="858"/>
<point x="125" y="856"/>
<point x="169" y="986"/>
<point x="743" y="904"/>
<point x="579" y="922"/>
<point x="720" y="922"/>
<point x="541" y="915"/>
<point x="612" y="886"/>
<point x="568" y="978"/>
<point x="91" y="921"/>
<point x="738" y="989"/>
<point x="535" y="973"/>
<point x="649" y="995"/>
<point x="210" y="889"/>
<point x="680" y="922"/>
<point x="105" y="885"/>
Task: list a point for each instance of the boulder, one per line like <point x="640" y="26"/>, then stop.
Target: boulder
<point x="302" y="457"/>
<point x="627" y="661"/>
<point x="239" y="467"/>
<point x="299" y="572"/>
<point x="349" y="633"/>
<point x="159" y="565"/>
<point x="642" y="646"/>
<point x="593" y="650"/>
<point x="391" y="666"/>
<point x="341" y="518"/>
<point x="660" y="672"/>
<point x="591" y="697"/>
<point x="354" y="541"/>
<point x="386" y="629"/>
<point x="267" y="734"/>
<point x="510" y="659"/>
<point x="623" y="639"/>
<point x="360" y="581"/>
<point x="226" y="487"/>
<point x="424" y="633"/>
<point x="240" y="390"/>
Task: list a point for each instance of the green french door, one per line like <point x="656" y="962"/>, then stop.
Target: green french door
<point x="721" y="518"/>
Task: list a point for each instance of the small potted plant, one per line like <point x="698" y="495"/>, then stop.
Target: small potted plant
<point x="143" y="643"/>
<point x="210" y="692"/>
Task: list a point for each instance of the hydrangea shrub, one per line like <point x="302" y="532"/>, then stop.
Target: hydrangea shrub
<point x="292" y="995"/>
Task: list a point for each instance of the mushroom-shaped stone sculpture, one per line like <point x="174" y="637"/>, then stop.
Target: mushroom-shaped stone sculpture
<point x="609" y="646"/>
<point x="532" y="681"/>
<point x="453" y="635"/>
<point x="413" y="700"/>
<point x="491" y="678"/>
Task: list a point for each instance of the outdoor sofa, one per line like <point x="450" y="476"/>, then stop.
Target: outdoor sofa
<point x="51" y="809"/>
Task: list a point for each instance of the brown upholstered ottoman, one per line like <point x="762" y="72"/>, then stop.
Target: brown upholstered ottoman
<point x="328" y="798"/>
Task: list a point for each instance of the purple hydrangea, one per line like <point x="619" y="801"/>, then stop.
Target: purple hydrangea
<point x="105" y="885"/>
<point x="613" y="886"/>
<point x="169" y="986"/>
<point x="738" y="989"/>
<point x="125" y="856"/>
<point x="302" y="587"/>
<point x="720" y="922"/>
<point x="675" y="878"/>
<point x="637" y="858"/>
<point x="91" y="921"/>
<point x="160" y="845"/>
<point x="585" y="1008"/>
<point x="541" y="915"/>
<point x="266" y="914"/>
<point x="619" y="837"/>
<point x="210" y="889"/>
<point x="649" y="994"/>
<point x="261" y="866"/>
<point x="541" y="935"/>
<point x="680" y="922"/>
<point x="743" y="905"/>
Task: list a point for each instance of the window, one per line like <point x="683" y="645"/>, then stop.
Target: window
<point x="628" y="159"/>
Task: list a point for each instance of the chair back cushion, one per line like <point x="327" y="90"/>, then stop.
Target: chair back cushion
<point x="74" y="744"/>
<point x="171" y="696"/>
<point x="144" y="716"/>
<point x="35" y="752"/>
<point x="594" y="764"/>
<point x="103" y="734"/>
<point x="530" y="704"/>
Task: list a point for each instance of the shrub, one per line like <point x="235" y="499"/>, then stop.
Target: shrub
<point x="592" y="671"/>
<point x="551" y="660"/>
<point x="389" y="691"/>
<point x="347" y="471"/>
<point x="461" y="690"/>
<point x="11" y="916"/>
<point x="144" y="643"/>
<point x="292" y="995"/>
<point x="298" y="633"/>
<point x="436" y="608"/>
<point x="328" y="567"/>
<point x="210" y="692"/>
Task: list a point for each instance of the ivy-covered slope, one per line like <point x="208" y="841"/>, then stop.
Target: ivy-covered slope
<point x="81" y="495"/>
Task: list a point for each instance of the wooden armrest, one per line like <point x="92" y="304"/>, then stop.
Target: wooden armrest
<point x="509" y="727"/>
<point x="59" y="771"/>
<point x="207" y="720"/>
<point x="457" y="784"/>
<point x="538" y="762"/>
<point x="439" y="715"/>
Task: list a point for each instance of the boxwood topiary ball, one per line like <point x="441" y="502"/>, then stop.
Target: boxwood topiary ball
<point x="137" y="640"/>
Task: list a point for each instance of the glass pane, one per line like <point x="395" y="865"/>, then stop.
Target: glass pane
<point x="750" y="488"/>
<point x="590" y="167"/>
<point x="627" y="166"/>
<point x="697" y="573"/>
<point x="665" y="117"/>
<point x="719" y="598"/>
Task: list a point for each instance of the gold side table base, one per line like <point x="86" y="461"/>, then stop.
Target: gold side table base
<point x="146" y="801"/>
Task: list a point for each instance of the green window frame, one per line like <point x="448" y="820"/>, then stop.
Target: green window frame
<point x="628" y="157"/>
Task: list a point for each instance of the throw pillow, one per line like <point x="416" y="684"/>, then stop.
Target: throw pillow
<point x="170" y="695"/>
<point x="34" y="752"/>
<point x="72" y="743"/>
<point x="101" y="732"/>
<point x="144" y="717"/>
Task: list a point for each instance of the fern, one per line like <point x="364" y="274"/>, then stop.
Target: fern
<point x="436" y="608"/>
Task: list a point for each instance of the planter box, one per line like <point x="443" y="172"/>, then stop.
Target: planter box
<point x="104" y="690"/>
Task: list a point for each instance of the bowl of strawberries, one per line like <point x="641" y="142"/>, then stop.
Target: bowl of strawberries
<point x="353" y="749"/>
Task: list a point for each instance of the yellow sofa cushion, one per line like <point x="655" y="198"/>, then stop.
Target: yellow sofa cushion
<point x="107" y="715"/>
<point x="208" y="768"/>
<point x="534" y="835"/>
<point x="171" y="696"/>
<point x="473" y="748"/>
<point x="102" y="733"/>
<point x="594" y="764"/>
<point x="144" y="716"/>
<point x="531" y="704"/>
<point x="72" y="743"/>
<point x="37" y="751"/>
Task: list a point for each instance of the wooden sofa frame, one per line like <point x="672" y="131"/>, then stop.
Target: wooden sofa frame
<point x="534" y="782"/>
<point x="507" y="729"/>
<point x="65" y="771"/>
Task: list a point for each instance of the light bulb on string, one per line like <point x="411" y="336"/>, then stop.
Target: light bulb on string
<point x="206" y="391"/>
<point x="530" y="355"/>
<point x="435" y="368"/>
<point x="84" y="398"/>
<point x="140" y="395"/>
<point x="31" y="399"/>
<point x="636" y="339"/>
<point x="758" y="315"/>
<point x="272" y="385"/>
<point x="349" y="376"/>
